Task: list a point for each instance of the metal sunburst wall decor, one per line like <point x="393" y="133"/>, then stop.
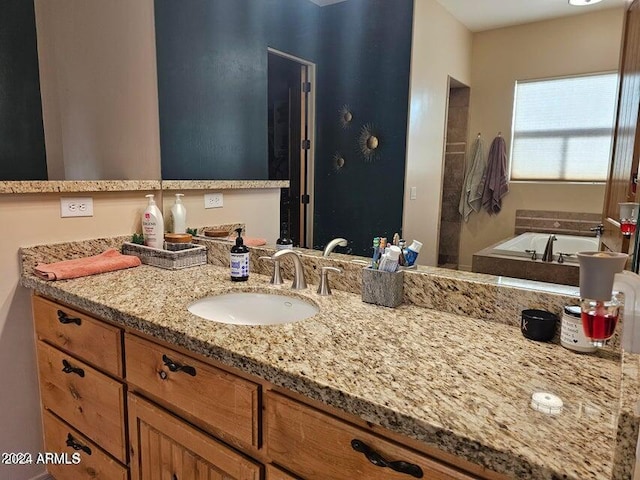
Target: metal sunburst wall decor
<point x="338" y="162"/>
<point x="369" y="142"/>
<point x="346" y="116"/>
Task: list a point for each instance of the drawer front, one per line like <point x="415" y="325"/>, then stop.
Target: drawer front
<point x="274" y="473"/>
<point x="85" y="398"/>
<point x="317" y="446"/>
<point x="165" y="447"/>
<point x="202" y="393"/>
<point x="93" y="341"/>
<point x="83" y="458"/>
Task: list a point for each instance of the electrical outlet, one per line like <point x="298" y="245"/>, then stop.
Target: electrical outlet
<point x="76" y="207"/>
<point x="213" y="200"/>
<point x="413" y="193"/>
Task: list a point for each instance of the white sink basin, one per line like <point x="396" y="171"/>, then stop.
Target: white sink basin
<point x="247" y="308"/>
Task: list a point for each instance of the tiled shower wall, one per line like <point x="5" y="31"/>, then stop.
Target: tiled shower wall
<point x="566" y="223"/>
<point x="453" y="179"/>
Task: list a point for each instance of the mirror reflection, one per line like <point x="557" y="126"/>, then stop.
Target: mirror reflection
<point x="221" y="88"/>
<point x="258" y="89"/>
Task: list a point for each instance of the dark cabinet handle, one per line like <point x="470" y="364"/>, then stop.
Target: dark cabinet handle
<point x="68" y="368"/>
<point x="379" y="461"/>
<point x="65" y="319"/>
<point x="175" y="367"/>
<point x="71" y="442"/>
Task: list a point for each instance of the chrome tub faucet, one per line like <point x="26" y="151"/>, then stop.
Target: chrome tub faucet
<point x="336" y="242"/>
<point x="547" y="256"/>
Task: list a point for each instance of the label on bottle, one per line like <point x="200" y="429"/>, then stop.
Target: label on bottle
<point x="149" y="231"/>
<point x="239" y="265"/>
<point x="410" y="256"/>
<point x="284" y="246"/>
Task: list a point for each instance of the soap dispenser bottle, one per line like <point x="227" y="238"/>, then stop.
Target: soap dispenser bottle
<point x="284" y="242"/>
<point x="179" y="215"/>
<point x="239" y="260"/>
<point x="153" y="225"/>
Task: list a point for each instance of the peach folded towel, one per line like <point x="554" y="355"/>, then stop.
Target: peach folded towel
<point x="249" y="241"/>
<point x="107" y="261"/>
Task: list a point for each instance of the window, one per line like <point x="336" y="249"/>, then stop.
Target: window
<point x="563" y="128"/>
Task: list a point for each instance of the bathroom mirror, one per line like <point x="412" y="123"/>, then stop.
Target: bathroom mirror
<point x="370" y="89"/>
<point x="82" y="87"/>
<point x="570" y="45"/>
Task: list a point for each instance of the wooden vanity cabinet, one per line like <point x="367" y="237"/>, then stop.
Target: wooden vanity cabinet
<point x="82" y="392"/>
<point x="165" y="447"/>
<point x="274" y="473"/>
<point x="84" y="398"/>
<point x="84" y="459"/>
<point x="318" y="446"/>
<point x="86" y="338"/>
<point x="207" y="396"/>
<point x="178" y="416"/>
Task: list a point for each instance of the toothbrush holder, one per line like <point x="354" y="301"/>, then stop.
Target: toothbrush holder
<point x="382" y="288"/>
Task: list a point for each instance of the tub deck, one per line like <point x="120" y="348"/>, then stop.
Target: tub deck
<point x="508" y="258"/>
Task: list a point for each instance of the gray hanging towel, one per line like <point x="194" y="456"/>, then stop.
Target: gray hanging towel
<point x="471" y="200"/>
<point x="494" y="184"/>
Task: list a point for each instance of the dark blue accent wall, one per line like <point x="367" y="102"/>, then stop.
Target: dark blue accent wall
<point x="22" y="150"/>
<point x="365" y="63"/>
<point x="212" y="81"/>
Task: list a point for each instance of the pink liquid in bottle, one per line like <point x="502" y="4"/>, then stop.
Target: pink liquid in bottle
<point x="599" y="323"/>
<point x="628" y="228"/>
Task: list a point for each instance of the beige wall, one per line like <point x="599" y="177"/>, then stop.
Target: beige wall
<point x="258" y="209"/>
<point x="441" y="48"/>
<point x="99" y="88"/>
<point x="571" y="45"/>
<point x="35" y="219"/>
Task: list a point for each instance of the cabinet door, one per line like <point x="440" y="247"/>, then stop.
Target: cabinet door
<point x="317" y="446"/>
<point x="623" y="169"/>
<point x="274" y="473"/>
<point x="204" y="395"/>
<point x="163" y="447"/>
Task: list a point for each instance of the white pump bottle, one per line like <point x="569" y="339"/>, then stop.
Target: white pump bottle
<point x="153" y="225"/>
<point x="179" y="215"/>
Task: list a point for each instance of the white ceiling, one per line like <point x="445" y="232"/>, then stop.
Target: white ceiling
<point x="478" y="15"/>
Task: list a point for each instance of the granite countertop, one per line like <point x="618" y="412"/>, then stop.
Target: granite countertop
<point x="456" y="383"/>
<point x="69" y="186"/>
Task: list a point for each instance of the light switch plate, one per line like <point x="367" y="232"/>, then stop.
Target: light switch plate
<point x="414" y="193"/>
<point x="76" y="207"/>
<point x="213" y="200"/>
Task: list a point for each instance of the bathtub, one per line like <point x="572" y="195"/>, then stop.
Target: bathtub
<point x="569" y="244"/>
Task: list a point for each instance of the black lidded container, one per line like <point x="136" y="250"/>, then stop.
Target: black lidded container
<point x="239" y="260"/>
<point x="538" y="325"/>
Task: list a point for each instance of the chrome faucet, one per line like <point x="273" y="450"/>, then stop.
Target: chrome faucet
<point x="598" y="229"/>
<point x="323" y="288"/>
<point x="336" y="242"/>
<point x="299" y="282"/>
<point x="276" y="278"/>
<point x="547" y="256"/>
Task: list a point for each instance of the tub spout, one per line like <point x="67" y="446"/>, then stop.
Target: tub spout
<point x="547" y="256"/>
<point x="336" y="242"/>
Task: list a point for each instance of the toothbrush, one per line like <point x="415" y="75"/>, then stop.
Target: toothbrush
<point x="376" y="252"/>
<point x="383" y="244"/>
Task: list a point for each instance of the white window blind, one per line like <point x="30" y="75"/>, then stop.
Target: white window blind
<point x="563" y="128"/>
